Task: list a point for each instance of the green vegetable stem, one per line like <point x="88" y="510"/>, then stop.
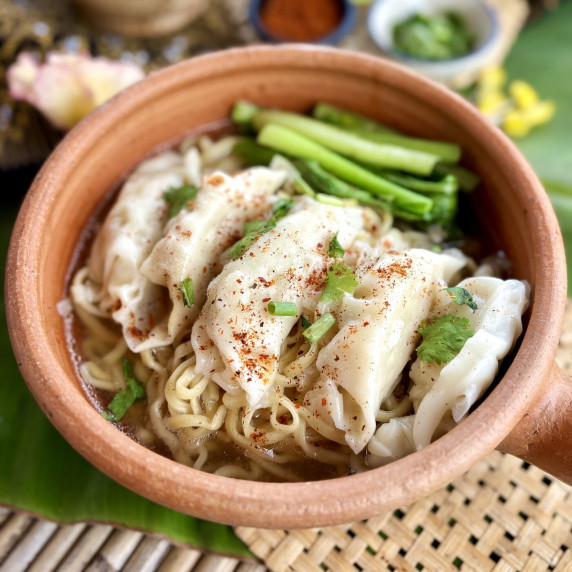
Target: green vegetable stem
<point x="285" y="140"/>
<point x="319" y="328"/>
<point x="369" y="129"/>
<point x="350" y="145"/>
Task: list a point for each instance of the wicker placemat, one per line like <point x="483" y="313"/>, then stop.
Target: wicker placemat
<point x="502" y="515"/>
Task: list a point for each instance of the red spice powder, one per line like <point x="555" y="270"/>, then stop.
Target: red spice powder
<point x="301" y="20"/>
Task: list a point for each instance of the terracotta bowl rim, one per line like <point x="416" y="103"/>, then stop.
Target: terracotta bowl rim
<point x="362" y="494"/>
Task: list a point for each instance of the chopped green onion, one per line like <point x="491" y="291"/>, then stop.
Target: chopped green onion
<point x="335" y="248"/>
<point x="305" y="322"/>
<point x="319" y="328"/>
<point x="282" y="308"/>
<point x="329" y="200"/>
<point x="179" y="198"/>
<point x="188" y="292"/>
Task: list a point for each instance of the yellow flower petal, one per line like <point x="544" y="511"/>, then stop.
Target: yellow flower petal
<point x="523" y="94"/>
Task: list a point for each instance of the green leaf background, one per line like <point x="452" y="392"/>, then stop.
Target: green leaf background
<point x="543" y="57"/>
<point x="41" y="473"/>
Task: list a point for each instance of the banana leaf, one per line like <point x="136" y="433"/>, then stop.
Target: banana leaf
<point x="40" y="473"/>
<point x="543" y="57"/>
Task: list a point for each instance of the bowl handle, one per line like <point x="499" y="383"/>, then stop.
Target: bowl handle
<point x="543" y="436"/>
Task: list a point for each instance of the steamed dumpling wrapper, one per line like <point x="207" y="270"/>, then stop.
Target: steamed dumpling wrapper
<point x="237" y="342"/>
<point x="362" y="364"/>
<point x="460" y="383"/>
<point x="394" y="439"/>
<point x="115" y="286"/>
<point x="195" y="239"/>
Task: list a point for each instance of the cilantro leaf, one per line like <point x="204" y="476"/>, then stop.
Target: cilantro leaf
<point x="125" y="399"/>
<point x="281" y="207"/>
<point x="443" y="338"/>
<point x="335" y="248"/>
<point x="340" y="279"/>
<point x="462" y="297"/>
<point x="254" y="228"/>
<point x="188" y="291"/>
<point x="179" y="197"/>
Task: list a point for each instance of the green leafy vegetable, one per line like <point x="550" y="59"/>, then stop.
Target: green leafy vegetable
<point x="314" y="332"/>
<point x="335" y="248"/>
<point x="324" y="182"/>
<point x="252" y="153"/>
<point x="243" y="112"/>
<point x="179" y="198"/>
<point x="240" y="247"/>
<point x="305" y="322"/>
<point x="125" y="399"/>
<point x="188" y="291"/>
<point x="435" y="37"/>
<point x="443" y="338"/>
<point x="286" y="140"/>
<point x="282" y="308"/>
<point x="369" y="129"/>
<point x="347" y="143"/>
<point x="340" y="279"/>
<point x="254" y="228"/>
<point x="462" y="297"/>
<point x="282" y="207"/>
<point x="347" y="119"/>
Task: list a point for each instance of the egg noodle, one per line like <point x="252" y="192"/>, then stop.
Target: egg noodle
<point x="282" y="425"/>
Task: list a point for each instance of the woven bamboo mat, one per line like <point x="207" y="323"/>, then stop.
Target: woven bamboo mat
<point x="502" y="516"/>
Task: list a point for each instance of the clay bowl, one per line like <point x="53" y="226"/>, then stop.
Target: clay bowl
<point x="528" y="413"/>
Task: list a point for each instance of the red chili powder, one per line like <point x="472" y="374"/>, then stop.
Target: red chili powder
<point x="301" y="20"/>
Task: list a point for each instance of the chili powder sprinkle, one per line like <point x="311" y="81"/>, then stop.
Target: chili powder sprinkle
<point x="301" y="20"/>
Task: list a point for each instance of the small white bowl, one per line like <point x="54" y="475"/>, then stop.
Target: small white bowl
<point x="481" y="21"/>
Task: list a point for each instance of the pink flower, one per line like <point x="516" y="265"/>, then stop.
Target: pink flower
<point x="68" y="86"/>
